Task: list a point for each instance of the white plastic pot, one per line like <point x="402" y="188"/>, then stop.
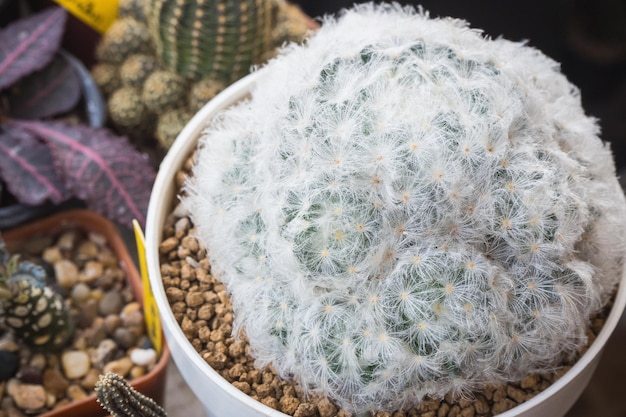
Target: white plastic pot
<point x="218" y="396"/>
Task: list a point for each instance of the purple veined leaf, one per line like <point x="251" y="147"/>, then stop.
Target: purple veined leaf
<point x="102" y="169"/>
<point x="27" y="168"/>
<point x="53" y="90"/>
<point x="30" y="43"/>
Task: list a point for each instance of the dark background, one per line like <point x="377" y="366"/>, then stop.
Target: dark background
<point x="588" y="38"/>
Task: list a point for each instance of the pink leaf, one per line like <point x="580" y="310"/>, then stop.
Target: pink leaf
<point x="29" y="44"/>
<point x="27" y="169"/>
<point x="102" y="169"/>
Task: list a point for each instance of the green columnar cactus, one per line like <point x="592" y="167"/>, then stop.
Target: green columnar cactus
<point x="30" y="308"/>
<point x="221" y="39"/>
<point x="121" y="400"/>
<point x="406" y="209"/>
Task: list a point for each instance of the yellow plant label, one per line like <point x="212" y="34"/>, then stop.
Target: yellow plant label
<point x="98" y="14"/>
<point x="150" y="310"/>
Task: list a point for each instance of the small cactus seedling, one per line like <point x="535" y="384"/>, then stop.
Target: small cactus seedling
<point x="121" y="400"/>
<point x="407" y="209"/>
<point x="29" y="308"/>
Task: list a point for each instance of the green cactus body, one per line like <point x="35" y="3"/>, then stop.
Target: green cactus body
<point x="210" y="38"/>
<point x="406" y="209"/>
<point x="121" y="400"/>
<point x="35" y="314"/>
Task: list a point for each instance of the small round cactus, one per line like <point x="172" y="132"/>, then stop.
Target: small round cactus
<point x="164" y="90"/>
<point x="107" y="77"/>
<point x="125" y="37"/>
<point x="136" y="69"/>
<point x="406" y="209"/>
<point x="29" y="307"/>
<point x="202" y="91"/>
<point x="126" y="108"/>
<point x="169" y="125"/>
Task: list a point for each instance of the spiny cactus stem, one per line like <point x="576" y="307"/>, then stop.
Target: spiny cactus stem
<point x="218" y="38"/>
<point x="153" y="20"/>
<point x="121" y="400"/>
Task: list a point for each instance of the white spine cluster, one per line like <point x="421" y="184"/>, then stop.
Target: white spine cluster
<point x="405" y="208"/>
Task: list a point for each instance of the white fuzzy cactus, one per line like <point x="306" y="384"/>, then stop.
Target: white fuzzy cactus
<point x="405" y="208"/>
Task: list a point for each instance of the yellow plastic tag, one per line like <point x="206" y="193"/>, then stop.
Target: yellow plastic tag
<point x="98" y="14"/>
<point x="150" y="310"/>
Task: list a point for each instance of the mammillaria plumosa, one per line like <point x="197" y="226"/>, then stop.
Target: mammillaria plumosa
<point x="406" y="208"/>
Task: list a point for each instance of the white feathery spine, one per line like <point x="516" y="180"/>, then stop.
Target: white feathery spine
<point x="408" y="210"/>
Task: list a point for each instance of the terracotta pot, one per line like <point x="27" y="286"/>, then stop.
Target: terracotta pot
<point x="222" y="399"/>
<point x="153" y="383"/>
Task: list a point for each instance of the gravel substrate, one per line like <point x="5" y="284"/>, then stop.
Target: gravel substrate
<point x="109" y="331"/>
<point x="203" y="309"/>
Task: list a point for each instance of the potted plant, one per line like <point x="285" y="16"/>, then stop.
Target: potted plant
<point x="54" y="150"/>
<point x="71" y="263"/>
<point x="161" y="61"/>
<point x="391" y="217"/>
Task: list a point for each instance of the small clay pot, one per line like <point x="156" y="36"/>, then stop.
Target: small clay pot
<point x="151" y="384"/>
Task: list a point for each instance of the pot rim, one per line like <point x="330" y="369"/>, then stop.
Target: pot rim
<point x="162" y="192"/>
